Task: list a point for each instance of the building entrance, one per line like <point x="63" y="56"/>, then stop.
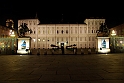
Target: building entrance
<point x="62" y="48"/>
<point x="62" y="44"/>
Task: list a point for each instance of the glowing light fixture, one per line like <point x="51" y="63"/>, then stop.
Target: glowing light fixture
<point x="34" y="40"/>
<point x="43" y="40"/>
<point x="38" y="39"/>
<point x="12" y="34"/>
<point x="113" y="33"/>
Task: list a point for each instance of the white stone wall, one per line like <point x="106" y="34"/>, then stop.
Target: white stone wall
<point x="83" y="35"/>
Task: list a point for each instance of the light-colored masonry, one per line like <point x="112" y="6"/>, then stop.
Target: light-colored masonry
<point x="83" y="35"/>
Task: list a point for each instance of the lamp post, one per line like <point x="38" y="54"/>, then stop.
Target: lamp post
<point x="113" y="39"/>
<point x="12" y="35"/>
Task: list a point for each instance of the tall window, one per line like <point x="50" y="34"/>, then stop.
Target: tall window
<point x="76" y="31"/>
<point x="66" y="31"/>
<point x="62" y="38"/>
<point x="85" y="39"/>
<point x="71" y="31"/>
<point x="85" y="30"/>
<point x="48" y="30"/>
<point x="57" y="39"/>
<point x="92" y="31"/>
<point x="80" y="38"/>
<point x="39" y="32"/>
<point x="57" y="32"/>
<point x="71" y="39"/>
<point x="66" y="38"/>
<point x="89" y="38"/>
<point x="89" y="29"/>
<point x="80" y="29"/>
<point x="43" y="31"/>
<point x="76" y="39"/>
<point x="93" y="38"/>
<point x="62" y="31"/>
<point x="52" y="38"/>
<point x="52" y="30"/>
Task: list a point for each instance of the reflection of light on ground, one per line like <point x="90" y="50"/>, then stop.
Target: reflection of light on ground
<point x="20" y="55"/>
<point x="23" y="51"/>
<point x="104" y="51"/>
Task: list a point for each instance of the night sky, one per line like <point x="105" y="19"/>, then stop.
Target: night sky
<point x="53" y="11"/>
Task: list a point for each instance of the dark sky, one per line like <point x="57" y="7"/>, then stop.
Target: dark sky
<point x="53" y="11"/>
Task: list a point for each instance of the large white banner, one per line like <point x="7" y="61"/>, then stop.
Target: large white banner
<point x="103" y="45"/>
<point x="23" y="45"/>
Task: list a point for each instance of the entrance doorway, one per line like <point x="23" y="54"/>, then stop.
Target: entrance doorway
<point x="62" y="44"/>
<point x="62" y="48"/>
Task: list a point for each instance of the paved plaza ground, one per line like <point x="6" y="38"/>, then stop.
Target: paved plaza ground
<point x="94" y="68"/>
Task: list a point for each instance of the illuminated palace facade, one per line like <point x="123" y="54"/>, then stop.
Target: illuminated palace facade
<point x="43" y="35"/>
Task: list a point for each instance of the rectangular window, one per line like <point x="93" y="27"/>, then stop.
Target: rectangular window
<point x="66" y="31"/>
<point x="39" y="32"/>
<point x="80" y="38"/>
<point x="71" y="38"/>
<point x="92" y="31"/>
<point x="93" y="44"/>
<point x="43" y="31"/>
<point x="85" y="39"/>
<point x="76" y="31"/>
<point x="48" y="31"/>
<point x="89" y="38"/>
<point x="52" y="39"/>
<point x="80" y="45"/>
<point x="48" y="45"/>
<point x="57" y="39"/>
<point x="62" y="38"/>
<point x="43" y="45"/>
<point x="88" y="31"/>
<point x="66" y="38"/>
<point x="85" y="45"/>
<point x="76" y="39"/>
<point x="71" y="31"/>
<point x="38" y="45"/>
<point x="93" y="38"/>
<point x="57" y="32"/>
<point x="52" y="31"/>
<point x="80" y="31"/>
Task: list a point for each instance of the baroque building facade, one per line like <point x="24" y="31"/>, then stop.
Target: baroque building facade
<point x="44" y="35"/>
<point x="117" y="40"/>
<point x="8" y="38"/>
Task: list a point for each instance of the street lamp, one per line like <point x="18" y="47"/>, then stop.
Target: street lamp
<point x="12" y="34"/>
<point x="113" y="38"/>
<point x="113" y="33"/>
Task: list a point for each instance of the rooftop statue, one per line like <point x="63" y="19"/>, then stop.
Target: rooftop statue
<point x="23" y="29"/>
<point x="103" y="30"/>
